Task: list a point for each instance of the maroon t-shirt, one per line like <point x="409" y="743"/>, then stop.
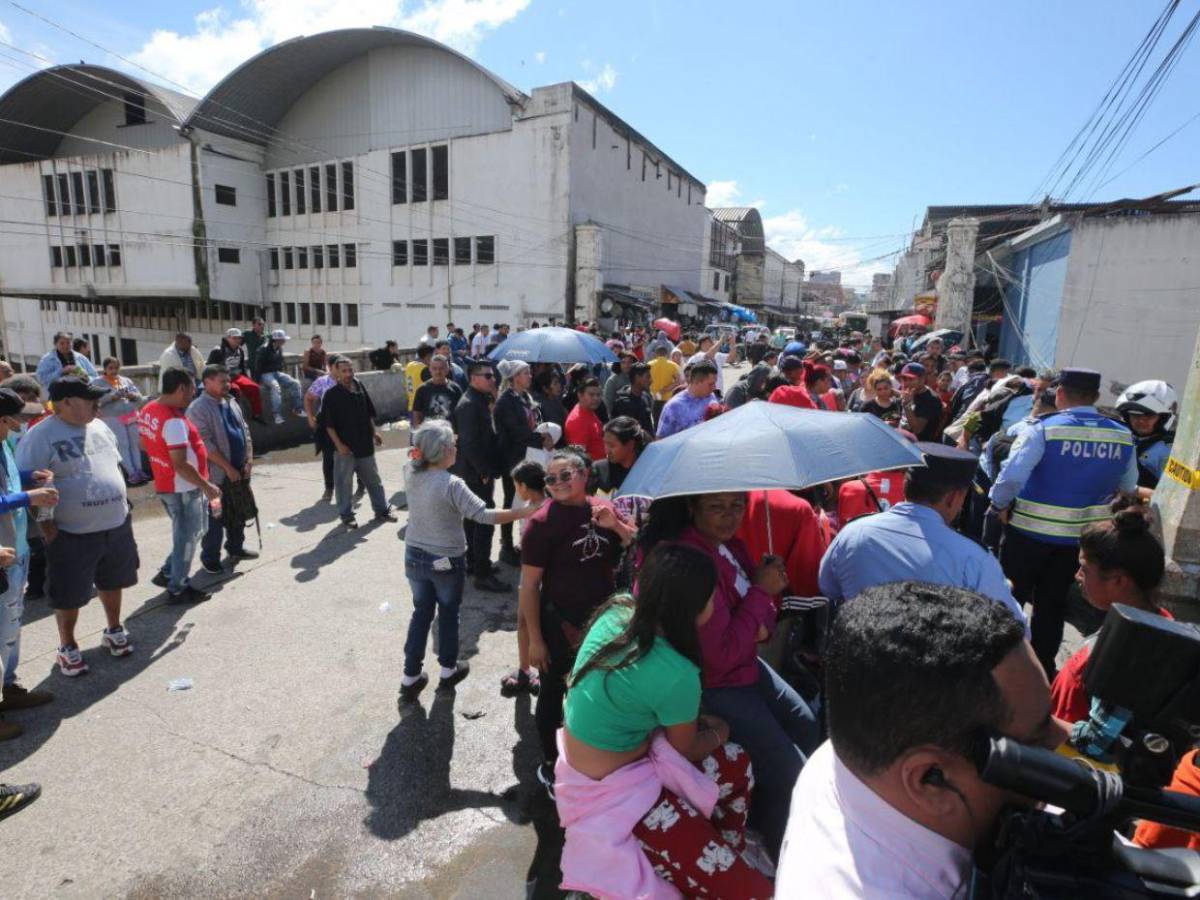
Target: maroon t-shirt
<point x="577" y="558"/>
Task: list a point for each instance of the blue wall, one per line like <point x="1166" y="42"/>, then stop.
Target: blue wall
<point x="1034" y="301"/>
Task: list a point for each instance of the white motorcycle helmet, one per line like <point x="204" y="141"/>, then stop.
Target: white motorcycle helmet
<point x="1150" y="398"/>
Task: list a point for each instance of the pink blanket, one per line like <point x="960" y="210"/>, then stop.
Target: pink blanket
<point x="601" y="856"/>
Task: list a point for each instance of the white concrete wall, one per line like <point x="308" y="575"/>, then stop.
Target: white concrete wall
<point x="242" y="226"/>
<point x="1131" y="302"/>
<point x="773" y="268"/>
<point x="654" y="235"/>
<point x="793" y="283"/>
<point x="106" y="122"/>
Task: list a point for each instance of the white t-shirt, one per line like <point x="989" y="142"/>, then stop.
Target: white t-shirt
<point x="718" y="360"/>
<point x="478" y="344"/>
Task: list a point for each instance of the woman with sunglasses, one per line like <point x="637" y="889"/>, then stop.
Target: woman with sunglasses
<point x="569" y="552"/>
<point x="765" y="714"/>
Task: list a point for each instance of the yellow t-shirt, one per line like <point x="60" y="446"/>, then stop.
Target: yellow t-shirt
<point x="663" y="373"/>
<point x="412" y="378"/>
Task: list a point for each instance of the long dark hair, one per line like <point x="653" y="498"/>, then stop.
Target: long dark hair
<point x="1124" y="543"/>
<point x="626" y="429"/>
<point x="665" y="521"/>
<point x="674" y="585"/>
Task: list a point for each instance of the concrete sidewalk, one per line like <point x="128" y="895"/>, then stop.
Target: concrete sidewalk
<point x="286" y="771"/>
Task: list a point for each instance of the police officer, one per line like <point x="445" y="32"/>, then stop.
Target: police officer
<point x="1060" y="476"/>
<point x="1149" y="409"/>
<point x="914" y="541"/>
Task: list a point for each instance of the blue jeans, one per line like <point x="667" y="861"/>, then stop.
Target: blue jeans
<point x="275" y="382"/>
<point x="188" y="512"/>
<point x="12" y="607"/>
<point x="432" y="590"/>
<point x="779" y="731"/>
<point x="210" y="547"/>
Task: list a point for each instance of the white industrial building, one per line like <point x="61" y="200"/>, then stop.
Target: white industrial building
<point x="358" y="184"/>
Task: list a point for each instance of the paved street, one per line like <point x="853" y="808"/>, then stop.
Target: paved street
<point x="286" y="771"/>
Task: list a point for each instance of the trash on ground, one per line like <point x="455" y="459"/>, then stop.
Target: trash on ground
<point x="385" y="607"/>
<point x="179" y="684"/>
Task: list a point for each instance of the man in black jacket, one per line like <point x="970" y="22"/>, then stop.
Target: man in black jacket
<point x="478" y="464"/>
<point x="516" y="416"/>
<point x="634" y="401"/>
<point x="349" y="418"/>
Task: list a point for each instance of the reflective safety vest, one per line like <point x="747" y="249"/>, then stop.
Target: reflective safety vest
<point x="1086" y="454"/>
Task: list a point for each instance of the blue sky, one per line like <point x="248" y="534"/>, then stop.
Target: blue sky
<point x="842" y="121"/>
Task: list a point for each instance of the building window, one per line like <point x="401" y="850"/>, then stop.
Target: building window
<point x="129" y="351"/>
<point x="462" y="251"/>
<point x="485" y="250"/>
<point x="441" y="251"/>
<point x="114" y="255"/>
<point x="85" y="255"/>
<point x="441" y="172"/>
<point x="290" y="311"/>
<point x="335" y="314"/>
<point x="230" y="255"/>
<point x="238" y="312"/>
<point x="420" y="189"/>
<point x="77" y="192"/>
<point x="93" y="189"/>
<point x="64" y="194"/>
<point x="276" y="312"/>
<point x="285" y="194"/>
<point x="314" y="184"/>
<point x="98" y="254"/>
<point x="347" y="185"/>
<point x="226" y="311"/>
<point x="420" y="248"/>
<point x="399" y="253"/>
<point x="331" y="203"/>
<point x="318" y="257"/>
<point x="270" y="196"/>
<point x="319" y="309"/>
<point x="70" y="253"/>
<point x="48" y="194"/>
<point x="226" y="195"/>
<point x="56" y="257"/>
<point x="726" y="282"/>
<point x="332" y="250"/>
<point x="351" y="315"/>
<point x="301" y="257"/>
<point x="274" y="254"/>
<point x="287" y="257"/>
<point x="300" y="198"/>
<point x="135" y="109"/>
<point x="349" y="256"/>
<point x="399" y="177"/>
<point x="305" y="314"/>
<point x="110" y="192"/>
<point x="716" y="281"/>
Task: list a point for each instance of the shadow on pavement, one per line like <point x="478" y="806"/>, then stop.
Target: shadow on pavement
<point x="544" y="874"/>
<point x="320" y="513"/>
<point x="336" y="542"/>
<point x="153" y="633"/>
<point x="410" y="781"/>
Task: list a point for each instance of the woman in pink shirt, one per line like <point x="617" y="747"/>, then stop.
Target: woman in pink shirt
<point x="765" y="714"/>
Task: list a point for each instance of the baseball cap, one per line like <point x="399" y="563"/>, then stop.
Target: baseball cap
<point x="790" y="362"/>
<point x="73" y="386"/>
<point x="916" y="370"/>
<point x="839" y="365"/>
<point x="11" y="404"/>
<point x="233" y="332"/>
<point x="279" y="335"/>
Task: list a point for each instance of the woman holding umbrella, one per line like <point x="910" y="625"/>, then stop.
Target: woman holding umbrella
<point x="765" y="714"/>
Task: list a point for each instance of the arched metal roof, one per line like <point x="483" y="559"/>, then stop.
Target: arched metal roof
<point x="53" y="100"/>
<point x="248" y="102"/>
<point x="749" y="225"/>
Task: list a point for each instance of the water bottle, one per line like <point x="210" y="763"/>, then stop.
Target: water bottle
<point x="214" y="507"/>
<point x="45" y="513"/>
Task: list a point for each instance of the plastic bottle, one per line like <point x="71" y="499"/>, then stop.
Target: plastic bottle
<point x="214" y="506"/>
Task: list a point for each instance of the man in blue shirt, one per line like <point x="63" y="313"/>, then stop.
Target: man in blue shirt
<point x="913" y="541"/>
<point x="1061" y="476"/>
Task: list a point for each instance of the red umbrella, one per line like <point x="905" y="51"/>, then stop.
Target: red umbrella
<point x="666" y="325"/>
<point x="918" y="321"/>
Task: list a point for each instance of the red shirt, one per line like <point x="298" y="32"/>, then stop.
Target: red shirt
<point x="1186" y="780"/>
<point x="163" y="429"/>
<point x="796" y="537"/>
<point x="855" y="501"/>
<point x="793" y="395"/>
<point x="583" y="427"/>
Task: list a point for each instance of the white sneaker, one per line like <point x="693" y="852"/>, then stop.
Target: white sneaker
<point x="279" y="420"/>
<point x="70" y="662"/>
<point x="116" y="641"/>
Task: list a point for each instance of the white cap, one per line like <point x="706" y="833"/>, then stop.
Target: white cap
<point x="279" y="335"/>
<point x="550" y="428"/>
<point x="839" y="365"/>
<point x="233" y="332"/>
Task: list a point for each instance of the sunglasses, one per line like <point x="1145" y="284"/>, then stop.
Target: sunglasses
<point x="490" y="376"/>
<point x="564" y="478"/>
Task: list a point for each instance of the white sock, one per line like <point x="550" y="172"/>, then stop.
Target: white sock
<point x="446" y="673"/>
<point x="410" y="679"/>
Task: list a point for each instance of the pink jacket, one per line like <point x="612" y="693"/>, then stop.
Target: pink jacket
<point x="601" y="856"/>
<point x="729" y="639"/>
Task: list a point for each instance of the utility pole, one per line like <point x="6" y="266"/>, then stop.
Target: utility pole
<point x="1176" y="501"/>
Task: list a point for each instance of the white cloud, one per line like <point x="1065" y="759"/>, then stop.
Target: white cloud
<point x="540" y="56"/>
<point x="220" y="41"/>
<point x="722" y="193"/>
<point x="5" y="34"/>
<point x="792" y="235"/>
<point x="605" y="81"/>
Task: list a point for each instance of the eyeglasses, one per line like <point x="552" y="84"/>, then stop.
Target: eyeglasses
<point x="490" y="376"/>
<point x="564" y="478"/>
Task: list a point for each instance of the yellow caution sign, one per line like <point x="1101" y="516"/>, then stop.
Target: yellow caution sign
<point x="1184" y="474"/>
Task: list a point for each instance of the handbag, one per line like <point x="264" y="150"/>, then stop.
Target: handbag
<point x="238" y="504"/>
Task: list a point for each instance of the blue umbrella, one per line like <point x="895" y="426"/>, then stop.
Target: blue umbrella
<point x="768" y="446"/>
<point x="553" y="345"/>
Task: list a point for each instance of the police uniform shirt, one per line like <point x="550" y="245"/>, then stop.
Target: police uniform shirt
<point x="910" y="542"/>
<point x="844" y="840"/>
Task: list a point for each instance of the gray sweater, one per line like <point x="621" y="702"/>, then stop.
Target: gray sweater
<point x="437" y="504"/>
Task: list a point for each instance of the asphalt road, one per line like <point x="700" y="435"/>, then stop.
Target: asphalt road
<point x="287" y="770"/>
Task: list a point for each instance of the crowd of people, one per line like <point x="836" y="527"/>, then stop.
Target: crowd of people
<point x="684" y="751"/>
